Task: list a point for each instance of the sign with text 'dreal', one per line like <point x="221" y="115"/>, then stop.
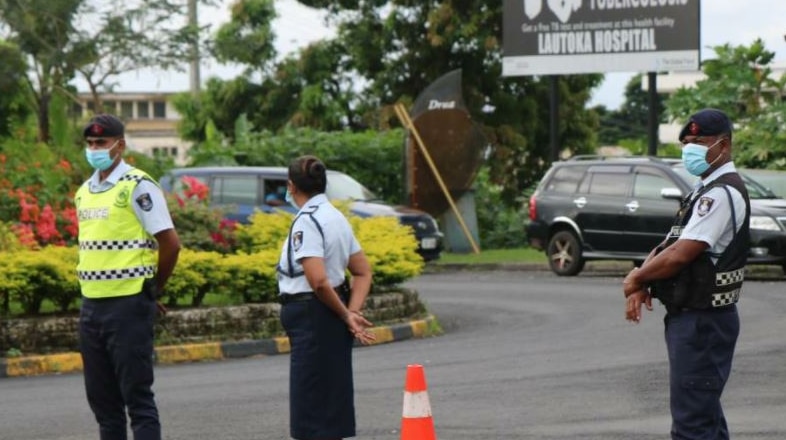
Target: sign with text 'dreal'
<point x="563" y="37"/>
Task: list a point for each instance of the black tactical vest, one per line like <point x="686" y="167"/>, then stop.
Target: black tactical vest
<point x="702" y="284"/>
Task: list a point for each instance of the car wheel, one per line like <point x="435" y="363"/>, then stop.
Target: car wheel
<point x="564" y="252"/>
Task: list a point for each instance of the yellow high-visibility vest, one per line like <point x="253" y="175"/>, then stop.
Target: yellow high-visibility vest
<point x="116" y="254"/>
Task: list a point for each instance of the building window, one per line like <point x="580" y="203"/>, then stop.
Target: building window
<point x="127" y="110"/>
<point x="159" y="109"/>
<point x="142" y="110"/>
<point x="164" y="151"/>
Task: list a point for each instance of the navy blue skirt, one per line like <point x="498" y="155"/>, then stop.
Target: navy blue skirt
<point x="321" y="391"/>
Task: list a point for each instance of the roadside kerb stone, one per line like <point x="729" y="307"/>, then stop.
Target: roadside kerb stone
<point x="210" y="351"/>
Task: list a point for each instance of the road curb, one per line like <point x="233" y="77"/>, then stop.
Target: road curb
<point x="62" y="363"/>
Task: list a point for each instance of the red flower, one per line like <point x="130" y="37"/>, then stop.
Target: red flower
<point x="72" y="225"/>
<point x="193" y="188"/>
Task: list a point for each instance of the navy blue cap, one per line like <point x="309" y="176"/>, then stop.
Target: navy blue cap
<point x="104" y="126"/>
<point x="707" y="122"/>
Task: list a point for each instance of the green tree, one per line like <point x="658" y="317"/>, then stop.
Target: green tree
<point x="740" y="82"/>
<point x="389" y="51"/>
<point x="310" y="89"/>
<point x="98" y="40"/>
<point x="129" y="36"/>
<point x="41" y="29"/>
<point x="14" y="106"/>
<point x="631" y="122"/>
<point x="400" y="47"/>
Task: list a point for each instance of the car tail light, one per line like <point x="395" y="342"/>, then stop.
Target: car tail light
<point x="533" y="211"/>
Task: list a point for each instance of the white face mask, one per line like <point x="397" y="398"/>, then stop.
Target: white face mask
<point x="291" y="200"/>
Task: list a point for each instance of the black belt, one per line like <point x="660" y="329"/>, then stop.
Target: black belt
<point x="721" y="309"/>
<point x="287" y="298"/>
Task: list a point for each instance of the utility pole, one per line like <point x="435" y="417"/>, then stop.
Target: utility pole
<point x="193" y="22"/>
<point x="652" y="129"/>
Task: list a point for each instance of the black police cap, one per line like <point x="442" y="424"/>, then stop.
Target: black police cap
<point x="104" y="126"/>
<point x="707" y="122"/>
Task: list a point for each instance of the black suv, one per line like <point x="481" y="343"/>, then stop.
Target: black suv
<point x="620" y="208"/>
<point x="245" y="190"/>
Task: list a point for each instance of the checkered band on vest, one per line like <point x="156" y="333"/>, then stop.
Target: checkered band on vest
<point x="731" y="277"/>
<point x="725" y="299"/>
<point x="116" y="245"/>
<point x="115" y="274"/>
<point x="133" y="177"/>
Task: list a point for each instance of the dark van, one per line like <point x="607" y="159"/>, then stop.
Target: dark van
<point x="243" y="190"/>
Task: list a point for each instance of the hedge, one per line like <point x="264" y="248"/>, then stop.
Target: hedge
<point x="31" y="277"/>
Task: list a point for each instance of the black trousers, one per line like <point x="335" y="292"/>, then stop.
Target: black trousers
<point x="321" y="390"/>
<point x="701" y="347"/>
<point x="116" y="342"/>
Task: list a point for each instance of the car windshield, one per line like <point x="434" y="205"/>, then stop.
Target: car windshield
<point x="755" y="189"/>
<point x="342" y="187"/>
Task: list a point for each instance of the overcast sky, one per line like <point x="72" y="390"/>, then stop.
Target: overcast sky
<point x="722" y="21"/>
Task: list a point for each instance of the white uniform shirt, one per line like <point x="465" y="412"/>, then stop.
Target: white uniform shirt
<point x="149" y="203"/>
<point x="335" y="243"/>
<point x="711" y="218"/>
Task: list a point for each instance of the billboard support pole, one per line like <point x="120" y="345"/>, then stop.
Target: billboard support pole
<point x="403" y="116"/>
<point x="652" y="89"/>
<point x="554" y="117"/>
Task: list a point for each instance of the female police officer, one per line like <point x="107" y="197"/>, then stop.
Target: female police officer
<point x="320" y="311"/>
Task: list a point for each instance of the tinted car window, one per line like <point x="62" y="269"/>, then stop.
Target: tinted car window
<point x="342" y="187"/>
<point x="235" y="189"/>
<point x="565" y="180"/>
<point x="608" y="184"/>
<point x="649" y="185"/>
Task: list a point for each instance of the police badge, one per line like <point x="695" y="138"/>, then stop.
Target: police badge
<point x="145" y="202"/>
<point x="705" y="204"/>
<point x="297" y="240"/>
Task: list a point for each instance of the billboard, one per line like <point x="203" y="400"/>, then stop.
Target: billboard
<point x="556" y="37"/>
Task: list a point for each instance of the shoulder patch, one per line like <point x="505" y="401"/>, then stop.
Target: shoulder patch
<point x="145" y="202"/>
<point x="297" y="240"/>
<point x="704" y="205"/>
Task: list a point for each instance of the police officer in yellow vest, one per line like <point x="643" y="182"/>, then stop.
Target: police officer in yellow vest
<point x="128" y="248"/>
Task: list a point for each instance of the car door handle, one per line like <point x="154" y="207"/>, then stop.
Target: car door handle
<point x="580" y="202"/>
<point x="632" y="206"/>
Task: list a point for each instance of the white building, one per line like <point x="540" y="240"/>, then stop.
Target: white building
<point x="151" y="121"/>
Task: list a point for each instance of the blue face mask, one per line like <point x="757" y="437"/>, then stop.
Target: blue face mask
<point x="694" y="157"/>
<point x="288" y="197"/>
<point x="100" y="159"/>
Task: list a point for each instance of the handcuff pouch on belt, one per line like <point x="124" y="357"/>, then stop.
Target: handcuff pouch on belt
<point x="692" y="288"/>
<point x="150" y="289"/>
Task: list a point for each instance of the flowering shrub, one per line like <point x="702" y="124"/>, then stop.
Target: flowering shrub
<point x="36" y="196"/>
<point x="200" y="226"/>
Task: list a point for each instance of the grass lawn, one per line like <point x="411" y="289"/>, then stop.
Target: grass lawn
<point x="521" y="255"/>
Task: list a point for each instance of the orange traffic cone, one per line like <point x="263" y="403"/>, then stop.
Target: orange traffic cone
<point x="416" y="421"/>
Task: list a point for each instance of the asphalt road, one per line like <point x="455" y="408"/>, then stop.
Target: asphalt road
<point x="525" y="355"/>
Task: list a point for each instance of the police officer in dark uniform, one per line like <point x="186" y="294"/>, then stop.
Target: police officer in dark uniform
<point x="697" y="273"/>
<point x="321" y="310"/>
<point x="128" y="248"/>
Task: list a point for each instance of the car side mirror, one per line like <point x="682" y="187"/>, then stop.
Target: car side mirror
<point x="671" y="193"/>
